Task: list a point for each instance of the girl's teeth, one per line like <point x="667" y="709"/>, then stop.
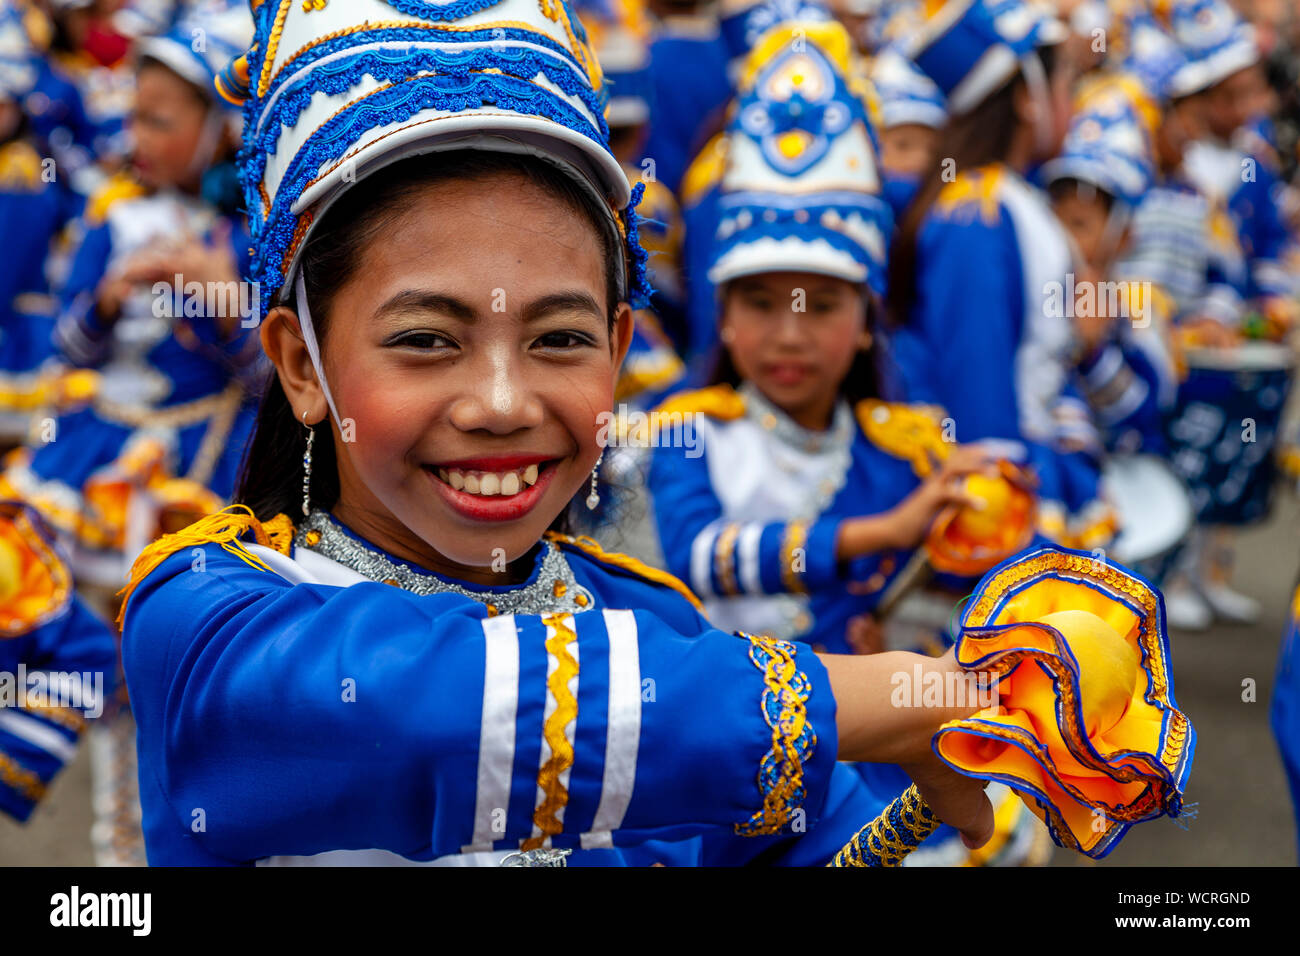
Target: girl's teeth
<point x="489" y="483"/>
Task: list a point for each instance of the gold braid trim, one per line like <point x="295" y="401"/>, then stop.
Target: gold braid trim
<point x="555" y="796"/>
<point x="796" y="534"/>
<point x="272" y="45"/>
<point x="592" y="548"/>
<point x="890" y="837"/>
<point x="724" y="559"/>
<point x="63" y="716"/>
<point x="784" y="706"/>
<point x="224" y="528"/>
<point x="20" y="778"/>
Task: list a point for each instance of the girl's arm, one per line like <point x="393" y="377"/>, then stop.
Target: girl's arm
<point x="298" y="719"/>
<point x="723" y="559"/>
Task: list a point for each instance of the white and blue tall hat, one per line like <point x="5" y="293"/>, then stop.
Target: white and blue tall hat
<point x="801" y="187"/>
<point x="335" y="90"/>
<point x="742" y="22"/>
<point x="1216" y="41"/>
<point x="1107" y="147"/>
<point x="907" y="96"/>
<point x="970" y="48"/>
<point x="203" y="40"/>
<point x="18" y="64"/>
<point x="1152" y="55"/>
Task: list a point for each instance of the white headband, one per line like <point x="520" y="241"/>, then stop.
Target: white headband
<point x="313" y="347"/>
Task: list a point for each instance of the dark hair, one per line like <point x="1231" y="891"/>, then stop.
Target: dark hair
<point x="271" y="478"/>
<point x="862" y="381"/>
<point x="1070" y="186"/>
<point x="971" y="140"/>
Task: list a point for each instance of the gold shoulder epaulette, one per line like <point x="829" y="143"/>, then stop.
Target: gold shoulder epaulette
<point x="717" y="401"/>
<point x="225" y="528"/>
<point x="625" y="562"/>
<point x="120" y="187"/>
<point x="974" y="189"/>
<point x="911" y="432"/>
<point x="20" y="167"/>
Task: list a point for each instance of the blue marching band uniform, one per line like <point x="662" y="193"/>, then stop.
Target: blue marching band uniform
<point x="562" y="720"/>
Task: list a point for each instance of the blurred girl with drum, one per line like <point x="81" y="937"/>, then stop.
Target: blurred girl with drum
<point x="975" y="327"/>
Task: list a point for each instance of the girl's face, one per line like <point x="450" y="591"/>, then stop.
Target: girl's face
<point x="470" y="356"/>
<point x="908" y="149"/>
<point x="794" y="335"/>
<point x="166" y="127"/>
<point x="1086" y="218"/>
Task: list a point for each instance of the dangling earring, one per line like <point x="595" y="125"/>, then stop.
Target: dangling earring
<point x="306" y="468"/>
<point x="593" y="498"/>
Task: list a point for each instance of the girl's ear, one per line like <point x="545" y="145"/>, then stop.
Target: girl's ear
<point x="621" y="339"/>
<point x="282" y="339"/>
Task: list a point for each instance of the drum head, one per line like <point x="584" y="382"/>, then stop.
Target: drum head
<point x="1154" y="507"/>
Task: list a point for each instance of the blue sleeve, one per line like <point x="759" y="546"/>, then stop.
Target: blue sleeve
<point x="958" y="349"/>
<point x="850" y="805"/>
<point x="79" y="335"/>
<point x="294" y="719"/>
<point x="724" y="558"/>
<point x="1264" y="234"/>
<point x="38" y="738"/>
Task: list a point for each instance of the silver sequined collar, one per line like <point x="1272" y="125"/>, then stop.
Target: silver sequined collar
<point x="551" y="589"/>
<point x="776" y="421"/>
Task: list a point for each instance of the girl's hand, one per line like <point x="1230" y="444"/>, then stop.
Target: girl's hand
<point x="875" y="724"/>
<point x="957" y="800"/>
<point x="910" y="520"/>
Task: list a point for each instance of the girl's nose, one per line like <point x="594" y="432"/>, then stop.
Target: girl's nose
<point x="496" y="396"/>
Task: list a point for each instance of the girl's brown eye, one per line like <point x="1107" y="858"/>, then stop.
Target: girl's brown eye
<point x="421" y="340"/>
<point x="564" y="340"/>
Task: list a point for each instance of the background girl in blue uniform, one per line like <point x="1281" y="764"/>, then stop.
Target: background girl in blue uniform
<point x="973" y="328"/>
<point x="34" y="204"/>
<point x="450" y="680"/>
<point x="174" y="357"/>
<point x="804" y="491"/>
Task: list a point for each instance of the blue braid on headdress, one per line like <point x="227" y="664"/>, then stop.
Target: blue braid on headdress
<point x="399" y="65"/>
<point x="571" y="78"/>
<point x="442" y="11"/>
<point x="638" y="282"/>
<point x="273" y="235"/>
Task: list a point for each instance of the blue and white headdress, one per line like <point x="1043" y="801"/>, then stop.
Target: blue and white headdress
<point x="970" y="48"/>
<point x="1216" y="41"/>
<point x="742" y="22"/>
<point x="1107" y="147"/>
<point x="801" y="188"/>
<point x="1152" y="55"/>
<point x="18" y="65"/>
<point x="335" y="90"/>
<point x="907" y="96"/>
<point x="204" y="39"/>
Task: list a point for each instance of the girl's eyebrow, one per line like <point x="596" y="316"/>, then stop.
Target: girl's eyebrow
<point x="568" y="301"/>
<point x="422" y="300"/>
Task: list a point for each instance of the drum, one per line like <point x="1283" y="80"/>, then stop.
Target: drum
<point x="1155" y="513"/>
<point x="1224" y="428"/>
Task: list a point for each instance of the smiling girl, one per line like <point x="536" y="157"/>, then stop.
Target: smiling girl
<point x="417" y="669"/>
